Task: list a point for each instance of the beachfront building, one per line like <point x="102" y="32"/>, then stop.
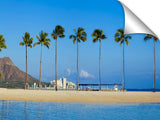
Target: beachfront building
<point x="62" y="83"/>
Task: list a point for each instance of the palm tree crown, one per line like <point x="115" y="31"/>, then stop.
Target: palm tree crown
<point x="98" y="35"/>
<point x="27" y="40"/>
<point x="42" y="39"/>
<point x="148" y="37"/>
<point x="58" y="32"/>
<point x="2" y="43"/>
<point x="80" y="35"/>
<point x="121" y="37"/>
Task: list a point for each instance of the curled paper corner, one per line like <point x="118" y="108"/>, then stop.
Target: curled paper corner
<point x="133" y="24"/>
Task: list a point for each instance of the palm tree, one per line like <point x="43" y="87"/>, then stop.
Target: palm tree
<point x="98" y="36"/>
<point x="122" y="38"/>
<point x="80" y="35"/>
<point x="27" y="41"/>
<point x="2" y="45"/>
<point x="148" y="37"/>
<point x="57" y="32"/>
<point x="42" y="40"/>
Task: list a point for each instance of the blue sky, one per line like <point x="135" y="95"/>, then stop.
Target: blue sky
<point x="20" y="16"/>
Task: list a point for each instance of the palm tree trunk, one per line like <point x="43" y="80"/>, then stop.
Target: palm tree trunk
<point x="40" y="68"/>
<point x="26" y="70"/>
<point x="154" y="69"/>
<point x="99" y="64"/>
<point x="77" y="66"/>
<point x="123" y="67"/>
<point x="56" y="64"/>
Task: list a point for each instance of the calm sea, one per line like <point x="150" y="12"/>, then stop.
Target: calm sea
<point x="19" y="110"/>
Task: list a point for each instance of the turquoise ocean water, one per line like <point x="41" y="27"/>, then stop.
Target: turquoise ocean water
<point x="20" y="110"/>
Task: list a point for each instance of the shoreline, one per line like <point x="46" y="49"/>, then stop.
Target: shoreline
<point x="79" y="96"/>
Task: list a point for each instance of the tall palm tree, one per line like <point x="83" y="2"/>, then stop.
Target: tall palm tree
<point x="27" y="41"/>
<point x="146" y="38"/>
<point x="80" y="35"/>
<point x="57" y="32"/>
<point x="2" y="45"/>
<point x="42" y="40"/>
<point x="98" y="36"/>
<point x="122" y="38"/>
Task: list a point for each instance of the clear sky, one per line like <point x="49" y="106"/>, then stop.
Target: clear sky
<point x="20" y="16"/>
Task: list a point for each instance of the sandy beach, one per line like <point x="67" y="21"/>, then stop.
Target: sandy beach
<point x="78" y="96"/>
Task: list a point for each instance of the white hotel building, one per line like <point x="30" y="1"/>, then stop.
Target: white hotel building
<point x="62" y="83"/>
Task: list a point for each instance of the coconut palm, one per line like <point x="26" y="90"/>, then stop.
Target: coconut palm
<point x="57" y="32"/>
<point x="98" y="36"/>
<point x="146" y="38"/>
<point x="27" y="42"/>
<point x="42" y="40"/>
<point x="2" y="45"/>
<point x="122" y="38"/>
<point x="80" y="35"/>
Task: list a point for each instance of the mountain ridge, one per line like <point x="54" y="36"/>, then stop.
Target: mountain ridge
<point x="12" y="74"/>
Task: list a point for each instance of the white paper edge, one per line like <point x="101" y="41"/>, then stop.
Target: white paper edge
<point x="133" y="24"/>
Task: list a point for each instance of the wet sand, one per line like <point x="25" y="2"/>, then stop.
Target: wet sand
<point x="78" y="96"/>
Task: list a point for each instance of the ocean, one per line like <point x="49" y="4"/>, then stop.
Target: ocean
<point x="21" y="110"/>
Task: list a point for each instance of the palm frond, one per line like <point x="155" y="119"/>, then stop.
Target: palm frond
<point x="38" y="38"/>
<point x="21" y="43"/>
<point x="96" y="33"/>
<point x="72" y="36"/>
<point x="74" y="40"/>
<point x="127" y="37"/>
<point x="117" y="39"/>
<point x="147" y="37"/>
<point x="30" y="46"/>
<point x="62" y="36"/>
<point x="47" y="40"/>
<point x="103" y="37"/>
<point x="80" y="29"/>
<point x="84" y="33"/>
<point x="84" y="38"/>
<point x="117" y="35"/>
<point x="47" y="44"/>
<point x="37" y="43"/>
<point x="53" y="35"/>
<point x="120" y="31"/>
<point x="2" y="43"/>
<point x="127" y="42"/>
<point x="95" y="40"/>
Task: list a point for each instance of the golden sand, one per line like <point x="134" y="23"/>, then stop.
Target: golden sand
<point x="78" y="96"/>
